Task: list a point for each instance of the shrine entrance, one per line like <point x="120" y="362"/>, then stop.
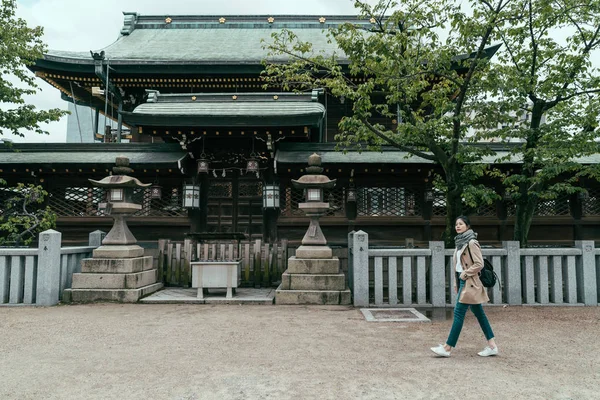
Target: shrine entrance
<point x="234" y="205"/>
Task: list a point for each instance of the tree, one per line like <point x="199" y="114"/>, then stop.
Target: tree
<point x="428" y="82"/>
<point x="545" y="75"/>
<point x="20" y="46"/>
<point x="21" y="215"/>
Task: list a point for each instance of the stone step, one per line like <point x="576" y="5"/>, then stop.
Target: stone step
<point x="313" y="265"/>
<point x="114" y="281"/>
<point x="118" y="251"/>
<point x="116" y="265"/>
<point x="119" y="295"/>
<point x="330" y="297"/>
<point x="312" y="281"/>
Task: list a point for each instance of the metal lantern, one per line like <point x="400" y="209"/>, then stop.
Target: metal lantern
<point x="271" y="196"/>
<point x="191" y="196"/>
<point x="252" y="165"/>
<point x="155" y="191"/>
<point x="351" y="194"/>
<point x="429" y="196"/>
<point x="202" y="165"/>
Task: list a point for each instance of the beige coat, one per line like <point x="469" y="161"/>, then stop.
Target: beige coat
<point x="473" y="290"/>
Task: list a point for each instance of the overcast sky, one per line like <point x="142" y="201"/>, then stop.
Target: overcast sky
<point x="83" y="25"/>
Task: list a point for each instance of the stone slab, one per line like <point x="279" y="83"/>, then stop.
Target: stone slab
<point x="116" y="265"/>
<point x="118" y="251"/>
<point x="312" y="281"/>
<point x="314" y="252"/>
<point x="118" y="295"/>
<point x="313" y="265"/>
<point x="114" y="281"/>
<point x="322" y="297"/>
<point x="173" y="295"/>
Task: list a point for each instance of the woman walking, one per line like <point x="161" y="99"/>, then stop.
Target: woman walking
<point x="467" y="262"/>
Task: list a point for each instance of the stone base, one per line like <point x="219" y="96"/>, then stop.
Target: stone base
<point x="114" y="281"/>
<point x="312" y="281"/>
<point x="118" y="251"/>
<point x="116" y="265"/>
<point x="329" y="297"/>
<point x="314" y="252"/>
<point x="313" y="266"/>
<point x="118" y="295"/>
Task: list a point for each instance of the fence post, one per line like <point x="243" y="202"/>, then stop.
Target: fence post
<point x="437" y="279"/>
<point x="96" y="238"/>
<point x="587" y="286"/>
<point x="360" y="264"/>
<point x="512" y="280"/>
<point x="48" y="277"/>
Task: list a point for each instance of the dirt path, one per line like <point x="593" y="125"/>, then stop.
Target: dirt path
<point x="113" y="351"/>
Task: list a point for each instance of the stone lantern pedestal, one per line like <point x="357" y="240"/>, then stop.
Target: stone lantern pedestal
<point x="118" y="271"/>
<point x="313" y="275"/>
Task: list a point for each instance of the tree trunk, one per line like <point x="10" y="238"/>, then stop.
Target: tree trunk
<point x="454" y="206"/>
<point x="528" y="190"/>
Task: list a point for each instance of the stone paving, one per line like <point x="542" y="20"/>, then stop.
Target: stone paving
<point x="211" y="296"/>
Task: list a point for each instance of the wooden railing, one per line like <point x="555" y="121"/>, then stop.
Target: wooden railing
<point x="261" y="263"/>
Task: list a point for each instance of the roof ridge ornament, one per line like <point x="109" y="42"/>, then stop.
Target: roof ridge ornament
<point x="129" y="22"/>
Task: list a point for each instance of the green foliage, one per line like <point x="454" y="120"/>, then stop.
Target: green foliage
<point x="424" y="64"/>
<point x="20" y="46"/>
<point x="21" y="214"/>
<point x="545" y="72"/>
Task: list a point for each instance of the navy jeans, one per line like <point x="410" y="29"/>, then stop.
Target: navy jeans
<point x="460" y="310"/>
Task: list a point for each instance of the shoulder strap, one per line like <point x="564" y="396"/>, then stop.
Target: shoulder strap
<point x="469" y="249"/>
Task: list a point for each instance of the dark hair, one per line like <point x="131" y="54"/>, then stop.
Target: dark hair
<point x="464" y="219"/>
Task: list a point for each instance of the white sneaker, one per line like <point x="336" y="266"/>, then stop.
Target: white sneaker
<point x="440" y="351"/>
<point x="488" y="351"/>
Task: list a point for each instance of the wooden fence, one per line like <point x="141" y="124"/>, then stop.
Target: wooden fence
<point x="261" y="263"/>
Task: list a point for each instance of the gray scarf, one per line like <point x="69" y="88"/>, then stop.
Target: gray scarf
<point x="462" y="239"/>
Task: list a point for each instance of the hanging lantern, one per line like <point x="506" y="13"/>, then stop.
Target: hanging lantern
<point x="351" y="194"/>
<point x="252" y="164"/>
<point x="429" y="196"/>
<point x="191" y="196"/>
<point x="271" y="196"/>
<point x="202" y="165"/>
<point x="155" y="191"/>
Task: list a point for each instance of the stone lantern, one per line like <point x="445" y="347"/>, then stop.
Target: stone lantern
<point x="120" y="204"/>
<point x="118" y="271"/>
<point x="314" y="183"/>
<point x="313" y="275"/>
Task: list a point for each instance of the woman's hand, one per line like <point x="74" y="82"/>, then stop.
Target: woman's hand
<point x="455" y="289"/>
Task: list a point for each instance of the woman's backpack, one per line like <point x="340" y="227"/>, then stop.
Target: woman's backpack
<point x="487" y="275"/>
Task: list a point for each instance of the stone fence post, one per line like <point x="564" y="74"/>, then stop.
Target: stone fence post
<point x="96" y="237"/>
<point x="48" y="274"/>
<point x="437" y="280"/>
<point x="360" y="269"/>
<point x="587" y="286"/>
<point x="512" y="281"/>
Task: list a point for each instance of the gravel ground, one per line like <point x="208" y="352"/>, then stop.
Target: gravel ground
<point x="136" y="351"/>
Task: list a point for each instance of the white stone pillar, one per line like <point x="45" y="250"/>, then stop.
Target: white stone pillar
<point x="360" y="274"/>
<point x="96" y="237"/>
<point x="48" y="276"/>
<point x="587" y="284"/>
<point x="437" y="278"/>
<point x="512" y="280"/>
